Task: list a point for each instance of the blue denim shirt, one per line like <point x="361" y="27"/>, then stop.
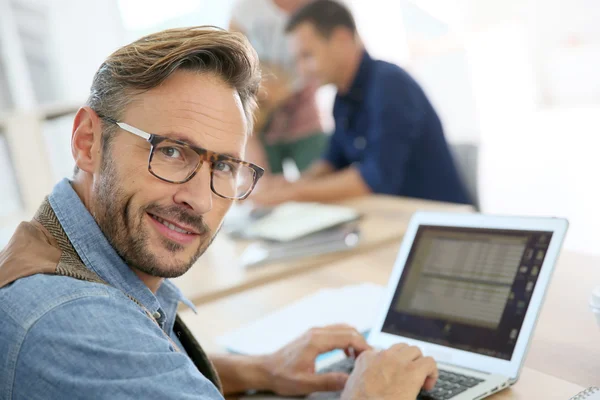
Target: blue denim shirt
<point x="62" y="338"/>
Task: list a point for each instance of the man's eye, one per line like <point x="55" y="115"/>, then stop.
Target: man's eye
<point x="171" y="152"/>
<point x="223" y="167"/>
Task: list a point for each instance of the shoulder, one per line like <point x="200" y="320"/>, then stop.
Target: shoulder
<point x="390" y="79"/>
<point x="89" y="341"/>
<point x="387" y="71"/>
<point x="29" y="299"/>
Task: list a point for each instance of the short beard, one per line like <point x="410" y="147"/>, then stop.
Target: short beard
<point x="123" y="227"/>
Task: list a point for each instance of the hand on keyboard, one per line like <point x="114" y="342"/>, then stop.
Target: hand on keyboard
<point x="292" y="369"/>
<point x="449" y="385"/>
<point x="398" y="373"/>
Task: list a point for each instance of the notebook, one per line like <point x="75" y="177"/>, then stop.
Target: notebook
<point x="591" y="393"/>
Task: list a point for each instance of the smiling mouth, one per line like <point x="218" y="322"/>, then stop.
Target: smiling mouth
<point x="171" y="226"/>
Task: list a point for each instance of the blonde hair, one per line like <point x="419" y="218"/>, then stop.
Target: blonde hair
<point x="147" y="62"/>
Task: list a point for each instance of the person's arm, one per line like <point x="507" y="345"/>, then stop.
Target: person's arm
<point x="398" y="373"/>
<point x="394" y="129"/>
<point x="239" y="373"/>
<point x="96" y="344"/>
<point x="318" y="169"/>
<point x="290" y="371"/>
<point x="329" y="179"/>
<point x="330" y="187"/>
<point x="335" y="186"/>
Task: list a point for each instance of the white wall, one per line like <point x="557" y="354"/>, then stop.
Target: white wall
<point x="57" y="139"/>
<point x="194" y="13"/>
<point x="566" y="43"/>
<point x="379" y="23"/>
<point x="534" y="160"/>
<point x="82" y="34"/>
<point x="546" y="163"/>
<point x="8" y="187"/>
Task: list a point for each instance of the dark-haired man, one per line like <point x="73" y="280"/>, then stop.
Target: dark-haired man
<point x="388" y="138"/>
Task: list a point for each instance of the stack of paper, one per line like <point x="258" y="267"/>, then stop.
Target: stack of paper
<point x="340" y="238"/>
<point x="355" y="305"/>
<point x="291" y="221"/>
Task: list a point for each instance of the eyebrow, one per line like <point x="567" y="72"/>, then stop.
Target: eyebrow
<point x="182" y="138"/>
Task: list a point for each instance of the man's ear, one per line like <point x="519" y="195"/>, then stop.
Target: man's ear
<point x="86" y="140"/>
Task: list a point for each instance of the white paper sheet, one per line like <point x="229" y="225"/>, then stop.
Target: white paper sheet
<point x="355" y="305"/>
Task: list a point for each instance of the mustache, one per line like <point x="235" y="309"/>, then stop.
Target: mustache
<point x="180" y="214"/>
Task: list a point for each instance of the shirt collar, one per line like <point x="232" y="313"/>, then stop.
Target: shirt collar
<point x="98" y="255"/>
<point x="169" y="290"/>
<point x="355" y="93"/>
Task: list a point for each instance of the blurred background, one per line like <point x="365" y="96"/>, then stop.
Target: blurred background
<point x="519" y="79"/>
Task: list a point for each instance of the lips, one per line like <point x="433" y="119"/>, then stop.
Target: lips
<point x="172" y="226"/>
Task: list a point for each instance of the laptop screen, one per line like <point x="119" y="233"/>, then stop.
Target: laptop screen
<point x="467" y="288"/>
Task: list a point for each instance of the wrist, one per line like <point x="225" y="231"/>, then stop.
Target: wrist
<point x="240" y="374"/>
<point x="297" y="191"/>
<point x="260" y="377"/>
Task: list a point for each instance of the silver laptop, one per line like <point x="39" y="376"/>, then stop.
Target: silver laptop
<point x="467" y="290"/>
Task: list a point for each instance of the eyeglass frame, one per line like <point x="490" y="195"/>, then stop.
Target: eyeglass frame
<point x="205" y="156"/>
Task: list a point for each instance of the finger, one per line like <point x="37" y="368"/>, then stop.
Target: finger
<point x="330" y="382"/>
<point x="429" y="383"/>
<point x="337" y="327"/>
<point x="327" y="340"/>
<point x="343" y="328"/>
<point x="353" y="353"/>
<point x="410" y="353"/>
<point x="350" y="352"/>
<point x="340" y="327"/>
<point x="427" y="367"/>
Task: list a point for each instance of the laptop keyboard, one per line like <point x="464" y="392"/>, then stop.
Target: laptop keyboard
<point x="345" y="365"/>
<point x="448" y="385"/>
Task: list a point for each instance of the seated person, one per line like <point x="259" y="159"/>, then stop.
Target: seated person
<point x="288" y="124"/>
<point x="388" y="138"/>
<point x="86" y="309"/>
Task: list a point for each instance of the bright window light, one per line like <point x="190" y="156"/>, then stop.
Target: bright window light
<point x="141" y="14"/>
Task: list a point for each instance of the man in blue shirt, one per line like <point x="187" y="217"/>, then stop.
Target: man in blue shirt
<point x="86" y="309"/>
<point x="388" y="138"/>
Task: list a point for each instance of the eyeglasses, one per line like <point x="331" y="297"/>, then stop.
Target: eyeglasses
<point x="177" y="162"/>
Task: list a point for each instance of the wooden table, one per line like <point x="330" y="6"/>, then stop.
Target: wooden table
<point x="565" y="353"/>
<point x="566" y="343"/>
<point x="536" y="385"/>
<point x="218" y="274"/>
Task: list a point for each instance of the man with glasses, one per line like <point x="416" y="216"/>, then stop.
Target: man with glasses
<point x="176" y="161"/>
<point x="86" y="309"/>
